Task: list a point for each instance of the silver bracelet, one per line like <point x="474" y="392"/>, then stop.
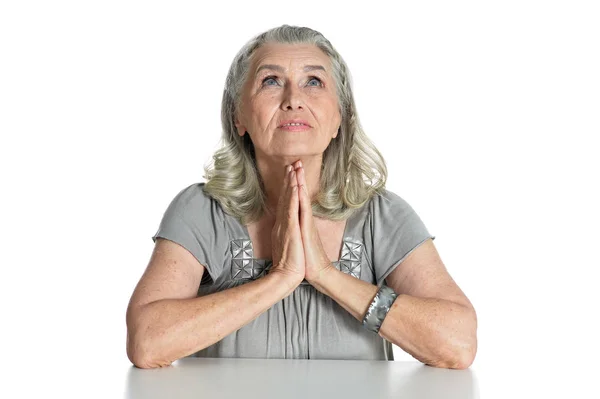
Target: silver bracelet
<point x="379" y="308"/>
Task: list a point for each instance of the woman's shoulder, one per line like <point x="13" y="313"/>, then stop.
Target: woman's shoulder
<point x="387" y="199"/>
<point x="389" y="211"/>
<point x="193" y="200"/>
<point x="193" y="192"/>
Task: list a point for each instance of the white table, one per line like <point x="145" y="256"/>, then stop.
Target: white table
<point x="298" y="378"/>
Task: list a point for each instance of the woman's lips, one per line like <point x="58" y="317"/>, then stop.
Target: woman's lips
<point x="291" y="128"/>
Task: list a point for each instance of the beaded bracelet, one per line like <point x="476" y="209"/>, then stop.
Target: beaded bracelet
<point x="379" y="308"/>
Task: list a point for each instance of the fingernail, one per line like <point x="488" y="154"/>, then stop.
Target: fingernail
<point x="300" y="164"/>
<point x="288" y="168"/>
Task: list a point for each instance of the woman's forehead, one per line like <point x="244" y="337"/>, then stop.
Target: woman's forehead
<point x="290" y="55"/>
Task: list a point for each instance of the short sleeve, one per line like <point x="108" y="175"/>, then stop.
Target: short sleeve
<point x="396" y="230"/>
<point x="193" y="220"/>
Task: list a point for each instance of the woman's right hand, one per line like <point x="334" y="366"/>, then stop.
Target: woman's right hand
<point x="286" y="238"/>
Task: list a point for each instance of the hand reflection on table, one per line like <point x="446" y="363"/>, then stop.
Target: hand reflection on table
<point x="298" y="378"/>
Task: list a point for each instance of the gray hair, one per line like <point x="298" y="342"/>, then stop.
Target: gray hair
<point x="353" y="170"/>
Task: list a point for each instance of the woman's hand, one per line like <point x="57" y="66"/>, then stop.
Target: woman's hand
<point x="286" y="239"/>
<point x="317" y="261"/>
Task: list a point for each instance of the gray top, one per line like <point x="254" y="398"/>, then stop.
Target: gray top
<point x="307" y="324"/>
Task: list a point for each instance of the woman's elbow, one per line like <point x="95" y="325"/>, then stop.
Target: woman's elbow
<point x="140" y="354"/>
<point x="135" y="352"/>
<point x="468" y="356"/>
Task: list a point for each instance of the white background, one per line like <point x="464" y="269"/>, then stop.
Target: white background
<point x="486" y="112"/>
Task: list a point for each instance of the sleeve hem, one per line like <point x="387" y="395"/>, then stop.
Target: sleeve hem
<point x="382" y="278"/>
<point x="187" y="246"/>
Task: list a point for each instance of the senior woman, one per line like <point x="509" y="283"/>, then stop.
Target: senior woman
<point x="293" y="248"/>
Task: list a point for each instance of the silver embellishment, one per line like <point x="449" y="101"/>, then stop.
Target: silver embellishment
<point x="350" y="261"/>
<point x="244" y="266"/>
<point x="242" y="249"/>
<point x="261" y="266"/>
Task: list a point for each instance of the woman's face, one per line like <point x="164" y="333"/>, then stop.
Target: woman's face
<point x="289" y="82"/>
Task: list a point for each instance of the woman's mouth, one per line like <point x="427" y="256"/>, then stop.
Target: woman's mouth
<point x="294" y="127"/>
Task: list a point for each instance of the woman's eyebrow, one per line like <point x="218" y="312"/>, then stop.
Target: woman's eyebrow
<point x="279" y="68"/>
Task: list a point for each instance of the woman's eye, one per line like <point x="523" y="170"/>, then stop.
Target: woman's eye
<point x="274" y="79"/>
<point x="268" y="78"/>
<point x="315" y="78"/>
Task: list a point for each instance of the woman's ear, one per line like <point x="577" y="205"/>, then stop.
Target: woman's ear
<point x="337" y="132"/>
<point x="339" y="129"/>
<point x="241" y="129"/>
<point x="240" y="125"/>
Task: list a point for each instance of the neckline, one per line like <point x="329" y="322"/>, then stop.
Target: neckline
<point x="346" y="228"/>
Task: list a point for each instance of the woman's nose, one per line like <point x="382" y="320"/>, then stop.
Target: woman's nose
<point x="292" y="98"/>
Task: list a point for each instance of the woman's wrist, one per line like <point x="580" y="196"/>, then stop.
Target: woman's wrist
<point x="290" y="281"/>
<point x="320" y="274"/>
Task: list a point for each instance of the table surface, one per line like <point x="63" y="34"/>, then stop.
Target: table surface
<point x="299" y="378"/>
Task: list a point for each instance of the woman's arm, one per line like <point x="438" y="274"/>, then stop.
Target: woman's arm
<point x="431" y="319"/>
<point x="160" y="331"/>
<point x="169" y="329"/>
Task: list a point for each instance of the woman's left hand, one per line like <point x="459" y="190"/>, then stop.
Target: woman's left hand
<point x="317" y="261"/>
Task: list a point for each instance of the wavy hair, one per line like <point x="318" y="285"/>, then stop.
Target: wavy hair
<point x="352" y="171"/>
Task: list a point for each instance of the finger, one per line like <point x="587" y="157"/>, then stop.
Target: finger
<point x="305" y="203"/>
<point x="303" y="182"/>
<point x="301" y="175"/>
<point x="284" y="194"/>
<point x="302" y="205"/>
<point x="293" y="197"/>
<point x="293" y="177"/>
<point x="299" y="179"/>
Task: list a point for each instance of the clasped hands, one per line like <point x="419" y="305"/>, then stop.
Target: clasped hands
<point x="316" y="261"/>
